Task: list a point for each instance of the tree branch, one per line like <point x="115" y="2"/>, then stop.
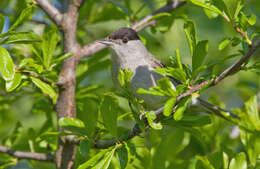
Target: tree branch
<point x="27" y="155"/>
<point x="93" y="48"/>
<point x="51" y="11"/>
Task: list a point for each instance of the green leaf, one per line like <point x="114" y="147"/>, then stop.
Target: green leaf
<point x="22" y="37"/>
<point x="252" y="19"/>
<point x="191" y="35"/>
<point x="207" y="5"/>
<point x="157" y="16"/>
<point x="13" y="84"/>
<point x="223" y="44"/>
<point x="122" y="154"/>
<point x="252" y="112"/>
<point x="210" y="13"/>
<point x="84" y="147"/>
<point x="178" y="114"/>
<point x="225" y="160"/>
<point x="2" y="22"/>
<point x="92" y="161"/>
<point x="239" y="162"/>
<point x="156" y="91"/>
<point x="199" y="54"/>
<point x="178" y="59"/>
<point x="105" y="162"/>
<point x="45" y="88"/>
<point x="176" y="73"/>
<point x="168" y="106"/>
<point x="166" y="85"/>
<point x="198" y="71"/>
<point x="109" y="109"/>
<point x="6" y="65"/>
<point x="205" y="162"/>
<point x="151" y="116"/>
<point x="25" y="15"/>
<point x="189" y="121"/>
<point x="49" y="43"/>
<point x="233" y="7"/>
<point x="76" y="126"/>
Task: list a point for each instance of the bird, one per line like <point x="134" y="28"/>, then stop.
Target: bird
<point x="129" y="52"/>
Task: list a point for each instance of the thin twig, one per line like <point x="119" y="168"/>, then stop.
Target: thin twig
<point x="50" y="10"/>
<point x="27" y="155"/>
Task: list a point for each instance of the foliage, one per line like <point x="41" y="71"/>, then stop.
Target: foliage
<point x="31" y="56"/>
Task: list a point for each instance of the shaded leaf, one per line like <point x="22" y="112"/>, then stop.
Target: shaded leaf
<point x="122" y="154"/>
<point x="199" y="54"/>
<point x="2" y="22"/>
<point x="84" y="146"/>
<point x="7" y="68"/>
<point x="178" y="114"/>
<point x="109" y="110"/>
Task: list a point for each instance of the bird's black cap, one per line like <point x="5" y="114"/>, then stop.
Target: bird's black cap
<point x="124" y="33"/>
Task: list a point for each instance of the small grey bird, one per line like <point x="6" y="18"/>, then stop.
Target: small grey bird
<point x="128" y="52"/>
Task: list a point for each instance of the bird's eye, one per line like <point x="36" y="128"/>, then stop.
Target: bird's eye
<point x="125" y="39"/>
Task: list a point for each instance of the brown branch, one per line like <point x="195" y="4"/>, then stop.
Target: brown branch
<point x="93" y="48"/>
<point x="27" y="155"/>
<point x="51" y="11"/>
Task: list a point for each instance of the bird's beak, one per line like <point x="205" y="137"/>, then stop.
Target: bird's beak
<point x="105" y="42"/>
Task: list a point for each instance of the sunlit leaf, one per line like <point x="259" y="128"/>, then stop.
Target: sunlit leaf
<point x="76" y="126"/>
<point x="151" y="116"/>
<point x="93" y="160"/>
<point x="168" y="106"/>
<point x="223" y="44"/>
<point x="239" y="162"/>
<point x="7" y="68"/>
<point x="45" y="88"/>
<point x="105" y="162"/>
<point x="13" y="84"/>
<point x="22" y="37"/>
